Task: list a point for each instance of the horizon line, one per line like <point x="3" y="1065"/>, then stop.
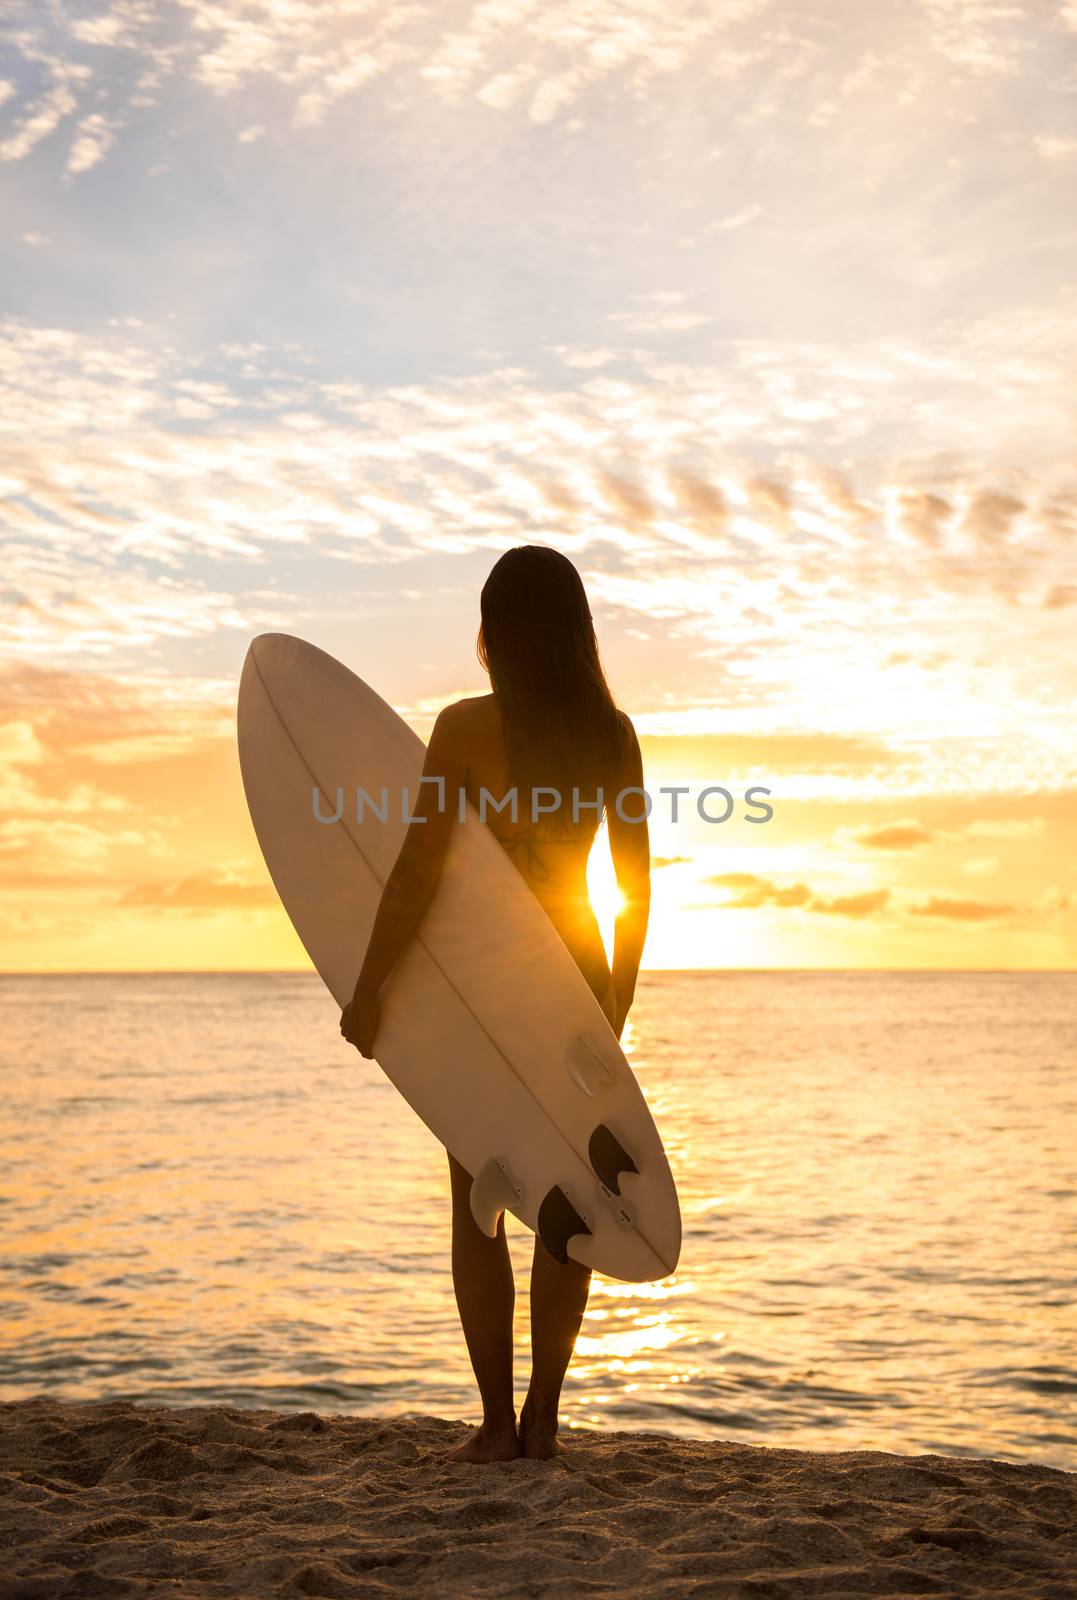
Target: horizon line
<point x="311" y="972"/>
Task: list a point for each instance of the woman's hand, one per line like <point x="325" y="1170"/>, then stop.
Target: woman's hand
<point x="359" y="1020"/>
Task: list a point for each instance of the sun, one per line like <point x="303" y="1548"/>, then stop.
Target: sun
<point x="602" y="891"/>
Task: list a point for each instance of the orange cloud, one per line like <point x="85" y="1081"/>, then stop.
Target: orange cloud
<point x="853" y="905"/>
<point x="960" y="910"/>
<point x="755" y="891"/>
<point x="557" y="495"/>
<point x="894" y="836"/>
<point x="771" y="499"/>
<point x="704" y="502"/>
<point x="213" y="889"/>
<point x="924" y="516"/>
<point x="990" y="515"/>
<point x="631" y="503"/>
<point x="114" y="719"/>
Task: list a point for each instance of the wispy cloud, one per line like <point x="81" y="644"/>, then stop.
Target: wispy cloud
<point x="126" y="464"/>
<point x="961" y="910"/>
<point x="750" y="892"/>
<point x="212" y="889"/>
<point x="905" y="835"/>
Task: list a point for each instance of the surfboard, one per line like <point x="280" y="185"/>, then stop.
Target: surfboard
<point x="487" y="1027"/>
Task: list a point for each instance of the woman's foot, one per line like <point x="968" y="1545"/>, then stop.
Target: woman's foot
<point x="487" y="1444"/>
<point x="538" y="1436"/>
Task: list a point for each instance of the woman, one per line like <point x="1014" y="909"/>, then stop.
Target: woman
<point x="550" y="724"/>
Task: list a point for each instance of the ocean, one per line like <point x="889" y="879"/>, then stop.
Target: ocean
<point x="206" y="1196"/>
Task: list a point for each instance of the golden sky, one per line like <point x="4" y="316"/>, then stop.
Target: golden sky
<point x="766" y="316"/>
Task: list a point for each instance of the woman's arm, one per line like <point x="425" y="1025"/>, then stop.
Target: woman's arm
<point x="631" y="851"/>
<point x="410" y="886"/>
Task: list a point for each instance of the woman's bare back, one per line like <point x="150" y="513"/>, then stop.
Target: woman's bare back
<point x="554" y="869"/>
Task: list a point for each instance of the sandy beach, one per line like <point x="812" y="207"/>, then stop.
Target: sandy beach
<point x="112" y="1499"/>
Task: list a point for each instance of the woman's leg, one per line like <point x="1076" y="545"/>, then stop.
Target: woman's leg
<point x="558" y="1293"/>
<point x="485" y="1296"/>
<point x="558" y="1301"/>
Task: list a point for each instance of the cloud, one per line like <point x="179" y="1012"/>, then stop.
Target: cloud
<point x="960" y="910"/>
<point x="629" y="501"/>
<point x="213" y="889"/>
<point x="521" y="66"/>
<point x="89" y="611"/>
<point x="737" y="219"/>
<point x="1054" y="147"/>
<point x="853" y="905"/>
<point x="20" y="745"/>
<point x="1005" y="827"/>
<point x="922" y="515"/>
<point x="62" y="817"/>
<point x="989" y="516"/>
<point x="985" y="38"/>
<point x="109" y="779"/>
<point x="40" y="118"/>
<point x="905" y="835"/>
<point x="771" y="500"/>
<point x="752" y="891"/>
<point x="56" y="712"/>
<point x="55" y="845"/>
<point x="980" y="866"/>
<point x="230" y="491"/>
<point x="1055" y="902"/>
<point x="94" y="138"/>
<point x="640" y="322"/>
<point x="733" y="66"/>
<point x="703" y="501"/>
<point x="22" y="926"/>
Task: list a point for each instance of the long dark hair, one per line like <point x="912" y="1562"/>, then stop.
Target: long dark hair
<point x="537" y="642"/>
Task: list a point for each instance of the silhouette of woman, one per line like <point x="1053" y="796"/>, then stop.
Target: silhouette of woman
<point x="550" y="724"/>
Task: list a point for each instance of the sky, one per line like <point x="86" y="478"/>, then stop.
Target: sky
<point x="765" y="315"/>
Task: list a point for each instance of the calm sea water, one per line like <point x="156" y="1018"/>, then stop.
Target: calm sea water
<point x="207" y="1196"/>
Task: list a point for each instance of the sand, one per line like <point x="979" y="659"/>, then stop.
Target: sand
<point x="113" y="1499"/>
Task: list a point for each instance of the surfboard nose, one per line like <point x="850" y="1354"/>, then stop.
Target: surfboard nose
<point x="278" y="656"/>
<point x="268" y="649"/>
<point x="279" y="659"/>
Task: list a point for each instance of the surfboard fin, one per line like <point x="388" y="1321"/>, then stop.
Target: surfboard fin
<point x="609" y="1157"/>
<point x="586" y="1067"/>
<point x="492" y="1192"/>
<point x="558" y="1220"/>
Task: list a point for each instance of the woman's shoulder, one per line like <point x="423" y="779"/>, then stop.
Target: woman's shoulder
<point x="476" y="710"/>
<point x="627" y="755"/>
<point x="627" y="732"/>
<point x="469" y="722"/>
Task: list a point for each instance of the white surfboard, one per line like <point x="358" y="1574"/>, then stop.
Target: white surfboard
<point x="487" y="1027"/>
